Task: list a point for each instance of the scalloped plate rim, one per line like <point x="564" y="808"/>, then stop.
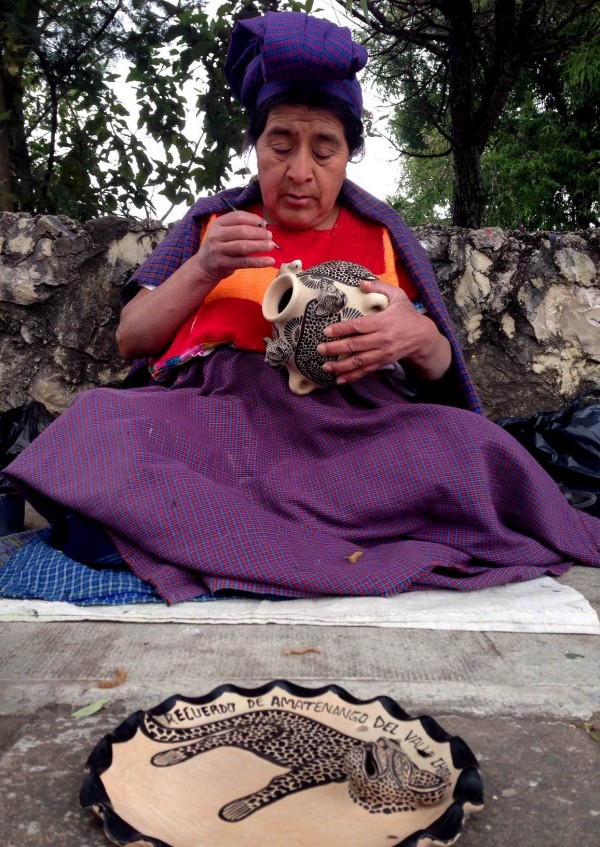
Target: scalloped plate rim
<point x="93" y="795"/>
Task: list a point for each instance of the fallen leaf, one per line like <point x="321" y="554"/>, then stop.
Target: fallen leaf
<point x="86" y="711"/>
<point x="118" y="679"/>
<point x="354" y="557"/>
<point x="301" y="651"/>
<point x="593" y="731"/>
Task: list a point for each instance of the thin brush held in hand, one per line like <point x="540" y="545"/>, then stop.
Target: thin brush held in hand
<point x="233" y="209"/>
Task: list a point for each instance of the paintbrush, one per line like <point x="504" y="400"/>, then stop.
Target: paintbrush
<point x="233" y="209"/>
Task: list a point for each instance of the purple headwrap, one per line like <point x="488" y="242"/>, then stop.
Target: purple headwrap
<point x="268" y="54"/>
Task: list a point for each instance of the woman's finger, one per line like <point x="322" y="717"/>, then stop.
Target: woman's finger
<point x="241" y="217"/>
<point x="346" y="345"/>
<point x="355" y="326"/>
<point x="241" y="236"/>
<point x="360" y="363"/>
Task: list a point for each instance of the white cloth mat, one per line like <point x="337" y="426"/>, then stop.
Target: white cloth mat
<point x="540" y="605"/>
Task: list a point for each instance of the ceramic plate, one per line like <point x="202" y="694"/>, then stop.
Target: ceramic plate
<point x="281" y="765"/>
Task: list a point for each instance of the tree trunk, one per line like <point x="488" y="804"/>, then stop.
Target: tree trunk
<point x="6" y="196"/>
<point x="468" y="195"/>
<point x="15" y="162"/>
<point x="474" y="117"/>
<point x="19" y="161"/>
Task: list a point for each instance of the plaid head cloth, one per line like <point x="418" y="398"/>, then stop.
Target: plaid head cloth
<point x="268" y="54"/>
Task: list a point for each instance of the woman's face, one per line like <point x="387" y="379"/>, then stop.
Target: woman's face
<point x="302" y="156"/>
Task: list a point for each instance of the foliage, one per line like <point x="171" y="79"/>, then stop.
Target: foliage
<point x="425" y="186"/>
<point x="453" y="71"/>
<point x="67" y="140"/>
<point x="540" y="168"/>
<point x="494" y="100"/>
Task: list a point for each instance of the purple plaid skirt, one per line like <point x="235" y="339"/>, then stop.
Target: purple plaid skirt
<point x="228" y="481"/>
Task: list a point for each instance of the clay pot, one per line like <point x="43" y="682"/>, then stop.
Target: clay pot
<point x="300" y="304"/>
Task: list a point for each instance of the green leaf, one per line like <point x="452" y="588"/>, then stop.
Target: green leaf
<point x="86" y="711"/>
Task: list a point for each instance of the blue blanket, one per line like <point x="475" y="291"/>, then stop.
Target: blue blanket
<point x="33" y="569"/>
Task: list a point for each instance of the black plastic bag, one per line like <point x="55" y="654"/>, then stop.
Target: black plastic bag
<point x="18" y="428"/>
<point x="567" y="445"/>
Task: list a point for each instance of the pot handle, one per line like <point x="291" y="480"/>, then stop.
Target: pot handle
<point x="377" y="303"/>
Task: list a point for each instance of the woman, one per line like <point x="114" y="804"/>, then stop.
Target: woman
<point x="218" y="478"/>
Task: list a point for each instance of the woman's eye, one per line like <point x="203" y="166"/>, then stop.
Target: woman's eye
<point x="322" y="156"/>
<point x="282" y="151"/>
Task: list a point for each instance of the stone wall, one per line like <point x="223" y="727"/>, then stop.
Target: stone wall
<point x="60" y="302"/>
<point x="527" y="309"/>
<point x="526" y="305"/>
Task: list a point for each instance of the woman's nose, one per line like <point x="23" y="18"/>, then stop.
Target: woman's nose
<point x="300" y="166"/>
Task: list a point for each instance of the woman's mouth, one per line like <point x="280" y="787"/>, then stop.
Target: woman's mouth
<point x="298" y="199"/>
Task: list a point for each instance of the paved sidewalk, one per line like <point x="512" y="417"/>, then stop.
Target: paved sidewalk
<point x="518" y="700"/>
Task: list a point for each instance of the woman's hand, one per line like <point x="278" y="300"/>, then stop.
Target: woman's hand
<point x="231" y="244"/>
<point x="398" y="333"/>
<point x="150" y="321"/>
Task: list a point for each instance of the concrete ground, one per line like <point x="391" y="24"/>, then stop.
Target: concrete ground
<point x="522" y="702"/>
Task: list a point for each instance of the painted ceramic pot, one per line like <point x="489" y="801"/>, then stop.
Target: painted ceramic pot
<point x="280" y="765"/>
<point x="300" y="304"/>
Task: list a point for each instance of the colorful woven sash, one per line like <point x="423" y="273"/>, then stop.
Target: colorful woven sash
<point x="232" y="312"/>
